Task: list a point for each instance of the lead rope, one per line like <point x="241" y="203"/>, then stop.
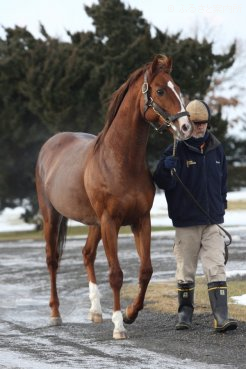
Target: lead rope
<point x="174" y="173"/>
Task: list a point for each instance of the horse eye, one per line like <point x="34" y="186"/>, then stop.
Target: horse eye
<point x="160" y="91"/>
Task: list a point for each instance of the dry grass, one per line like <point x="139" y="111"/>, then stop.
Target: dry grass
<point x="162" y="297"/>
<point x="237" y="205"/>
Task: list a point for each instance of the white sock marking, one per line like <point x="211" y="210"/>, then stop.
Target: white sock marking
<point x="94" y="296"/>
<point x="117" y="319"/>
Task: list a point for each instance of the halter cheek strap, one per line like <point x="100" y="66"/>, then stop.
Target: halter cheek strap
<point x="149" y="103"/>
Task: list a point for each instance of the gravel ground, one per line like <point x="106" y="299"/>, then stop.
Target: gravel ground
<point x="200" y="343"/>
<point x="152" y="343"/>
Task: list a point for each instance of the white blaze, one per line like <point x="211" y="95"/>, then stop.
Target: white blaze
<point x="185" y="127"/>
<point x="171" y="86"/>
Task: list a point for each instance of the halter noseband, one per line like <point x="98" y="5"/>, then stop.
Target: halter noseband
<point x="149" y="103"/>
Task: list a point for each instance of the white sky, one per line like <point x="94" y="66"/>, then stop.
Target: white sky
<point x="223" y="20"/>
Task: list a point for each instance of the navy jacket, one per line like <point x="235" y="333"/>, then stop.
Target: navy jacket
<point x="204" y="174"/>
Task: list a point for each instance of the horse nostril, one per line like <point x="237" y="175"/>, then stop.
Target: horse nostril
<point x="185" y="128"/>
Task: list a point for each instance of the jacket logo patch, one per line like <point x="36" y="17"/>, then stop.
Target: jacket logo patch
<point x="190" y="162"/>
<point x="217" y="162"/>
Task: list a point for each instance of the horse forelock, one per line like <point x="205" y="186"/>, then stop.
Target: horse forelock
<point x="162" y="62"/>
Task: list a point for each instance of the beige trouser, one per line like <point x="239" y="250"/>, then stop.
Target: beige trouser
<point x="205" y="242"/>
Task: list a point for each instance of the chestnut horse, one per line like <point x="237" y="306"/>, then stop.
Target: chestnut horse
<point x="103" y="181"/>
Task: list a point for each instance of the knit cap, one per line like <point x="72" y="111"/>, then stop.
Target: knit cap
<point x="199" y="111"/>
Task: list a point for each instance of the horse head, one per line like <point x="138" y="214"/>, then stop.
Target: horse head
<point x="163" y="106"/>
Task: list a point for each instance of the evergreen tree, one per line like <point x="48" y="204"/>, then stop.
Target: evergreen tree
<point x="20" y="129"/>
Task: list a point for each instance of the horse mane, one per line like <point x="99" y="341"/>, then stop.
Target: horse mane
<point x="115" y="102"/>
<point x="160" y="62"/>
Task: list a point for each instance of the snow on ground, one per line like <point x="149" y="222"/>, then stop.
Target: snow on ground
<point x="10" y="220"/>
<point x="241" y="300"/>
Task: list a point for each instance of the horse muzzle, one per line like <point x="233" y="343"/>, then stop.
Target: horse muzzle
<point x="181" y="129"/>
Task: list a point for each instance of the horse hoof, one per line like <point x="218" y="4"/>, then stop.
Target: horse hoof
<point x="95" y="317"/>
<point x="128" y="320"/>
<point x="119" y="335"/>
<point x="55" y="321"/>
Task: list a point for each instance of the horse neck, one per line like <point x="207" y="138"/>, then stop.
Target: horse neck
<point x="128" y="134"/>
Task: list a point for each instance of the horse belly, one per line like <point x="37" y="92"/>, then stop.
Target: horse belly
<point x="73" y="203"/>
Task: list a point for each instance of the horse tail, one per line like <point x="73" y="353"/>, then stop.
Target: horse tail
<point x="62" y="236"/>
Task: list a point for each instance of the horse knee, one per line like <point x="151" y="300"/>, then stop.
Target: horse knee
<point x="116" y="278"/>
<point x="145" y="275"/>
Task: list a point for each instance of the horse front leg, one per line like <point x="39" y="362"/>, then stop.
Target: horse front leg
<point x="89" y="256"/>
<point x="110" y="230"/>
<point x="142" y="235"/>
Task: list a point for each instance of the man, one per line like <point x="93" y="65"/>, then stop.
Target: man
<point x="201" y="165"/>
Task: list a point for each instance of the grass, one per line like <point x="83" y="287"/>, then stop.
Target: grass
<point x="162" y="297"/>
<point x="237" y="205"/>
<point x="72" y="232"/>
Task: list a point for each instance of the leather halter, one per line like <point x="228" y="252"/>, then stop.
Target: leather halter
<point x="149" y="103"/>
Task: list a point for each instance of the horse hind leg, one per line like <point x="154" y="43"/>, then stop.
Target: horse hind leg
<point x="89" y="256"/>
<point x="55" y="227"/>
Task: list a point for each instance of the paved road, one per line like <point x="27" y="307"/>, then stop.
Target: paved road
<point x="27" y="340"/>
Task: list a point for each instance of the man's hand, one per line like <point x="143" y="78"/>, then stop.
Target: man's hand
<point x="171" y="162"/>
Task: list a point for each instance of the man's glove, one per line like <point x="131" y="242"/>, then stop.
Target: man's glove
<point x="170" y="162"/>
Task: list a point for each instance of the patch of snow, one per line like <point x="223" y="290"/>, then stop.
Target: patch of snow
<point x="240" y="300"/>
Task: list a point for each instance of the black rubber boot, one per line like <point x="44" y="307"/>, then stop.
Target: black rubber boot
<point x="186" y="302"/>
<point x="217" y="292"/>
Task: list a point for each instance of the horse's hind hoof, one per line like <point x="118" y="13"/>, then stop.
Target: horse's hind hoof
<point x="119" y="335"/>
<point x="95" y="317"/>
<point x="55" y="320"/>
<point x="128" y="320"/>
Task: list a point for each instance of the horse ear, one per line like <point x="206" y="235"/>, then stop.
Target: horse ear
<point x="169" y="64"/>
<point x="162" y="62"/>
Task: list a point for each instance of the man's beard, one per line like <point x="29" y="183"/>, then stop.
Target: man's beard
<point x="198" y="134"/>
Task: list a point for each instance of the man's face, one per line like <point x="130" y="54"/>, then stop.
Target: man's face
<point x="199" y="129"/>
